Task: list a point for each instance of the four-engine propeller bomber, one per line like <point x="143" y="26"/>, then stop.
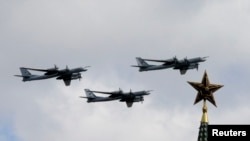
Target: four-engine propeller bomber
<point x="183" y="65"/>
<point x="64" y="74"/>
<point x="128" y="97"/>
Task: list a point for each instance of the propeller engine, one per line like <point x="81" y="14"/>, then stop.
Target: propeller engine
<point x="76" y="76"/>
<point x="175" y="59"/>
<point x="118" y="91"/>
<point x="197" y="67"/>
<point x="194" y="66"/>
<point x="138" y="99"/>
<point x="186" y="61"/>
<point x="53" y="69"/>
<point x="67" y="68"/>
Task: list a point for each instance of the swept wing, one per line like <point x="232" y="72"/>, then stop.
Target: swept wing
<point x="183" y="71"/>
<point x="129" y="103"/>
<point x="168" y="61"/>
<point x="50" y="71"/>
<point x="66" y="79"/>
<point x="163" y="61"/>
<point x="110" y="93"/>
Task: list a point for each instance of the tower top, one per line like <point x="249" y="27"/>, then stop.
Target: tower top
<point x="204" y="117"/>
<point x="205" y="89"/>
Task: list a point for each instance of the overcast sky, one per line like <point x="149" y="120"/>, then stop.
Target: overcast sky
<point x="107" y="35"/>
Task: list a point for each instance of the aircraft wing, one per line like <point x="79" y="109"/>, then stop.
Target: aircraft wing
<point x="129" y="103"/>
<point x="168" y="61"/>
<point x="155" y="60"/>
<point x="104" y="92"/>
<point x="118" y="92"/>
<point x="183" y="71"/>
<point x="48" y="71"/>
<point x="44" y="70"/>
<point x="67" y="81"/>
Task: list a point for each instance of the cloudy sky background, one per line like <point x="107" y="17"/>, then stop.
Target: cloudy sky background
<point x="108" y="35"/>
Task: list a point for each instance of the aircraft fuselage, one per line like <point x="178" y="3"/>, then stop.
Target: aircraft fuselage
<point x="102" y="99"/>
<point x="38" y="77"/>
<point x="155" y="67"/>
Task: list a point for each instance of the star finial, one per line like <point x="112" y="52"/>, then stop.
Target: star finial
<point x="205" y="90"/>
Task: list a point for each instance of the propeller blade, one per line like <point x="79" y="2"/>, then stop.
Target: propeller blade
<point x="56" y="68"/>
<point x="67" y="68"/>
<point x="175" y="59"/>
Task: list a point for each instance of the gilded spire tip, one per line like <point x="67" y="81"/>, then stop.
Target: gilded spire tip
<point x="204" y="115"/>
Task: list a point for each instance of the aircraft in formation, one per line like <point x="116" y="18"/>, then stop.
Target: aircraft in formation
<point x="64" y="74"/>
<point x="183" y="65"/>
<point x="128" y="97"/>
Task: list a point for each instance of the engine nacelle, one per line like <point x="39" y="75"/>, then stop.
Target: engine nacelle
<point x="76" y="76"/>
<point x="193" y="66"/>
<point x="138" y="99"/>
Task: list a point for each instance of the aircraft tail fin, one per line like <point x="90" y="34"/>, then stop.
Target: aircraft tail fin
<point x="89" y="94"/>
<point x="25" y="74"/>
<point x="141" y="62"/>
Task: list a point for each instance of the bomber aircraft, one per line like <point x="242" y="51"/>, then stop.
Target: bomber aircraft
<point x="128" y="97"/>
<point x="183" y="65"/>
<point x="64" y="74"/>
